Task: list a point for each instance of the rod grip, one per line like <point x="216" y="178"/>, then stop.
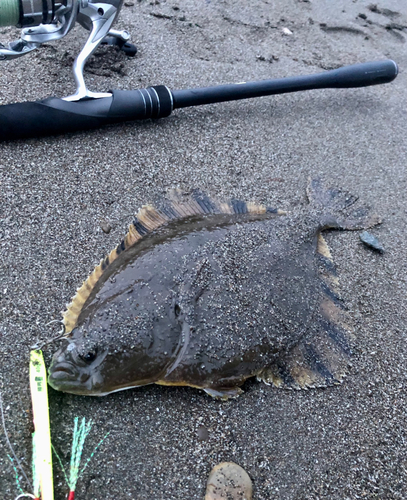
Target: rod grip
<point x="49" y="117"/>
<point x="363" y="75"/>
<point x="55" y="116"/>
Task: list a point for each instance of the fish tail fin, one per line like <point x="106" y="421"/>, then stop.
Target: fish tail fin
<point x="338" y="209"/>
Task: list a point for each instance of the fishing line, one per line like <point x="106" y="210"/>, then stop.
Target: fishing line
<point x="9" y="443"/>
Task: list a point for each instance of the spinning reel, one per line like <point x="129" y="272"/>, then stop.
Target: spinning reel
<point x="47" y="20"/>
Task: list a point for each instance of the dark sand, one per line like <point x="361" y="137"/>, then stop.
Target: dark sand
<point x="345" y="442"/>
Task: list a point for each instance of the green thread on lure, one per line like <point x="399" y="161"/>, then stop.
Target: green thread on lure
<point x="92" y="454"/>
<point x="36" y="477"/>
<point x="60" y="463"/>
<point x="3" y="423"/>
<point x="20" y="489"/>
<point x="22" y="494"/>
<point x="80" y="434"/>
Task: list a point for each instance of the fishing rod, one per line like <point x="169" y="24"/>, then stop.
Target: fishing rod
<point x="45" y="20"/>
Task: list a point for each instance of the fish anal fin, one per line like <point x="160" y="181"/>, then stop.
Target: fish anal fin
<point x="322" y="356"/>
<point x="336" y="316"/>
<point x="327" y="267"/>
<point x="323" y="248"/>
<point x="270" y="377"/>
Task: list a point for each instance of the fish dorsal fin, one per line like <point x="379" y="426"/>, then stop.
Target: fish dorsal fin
<point x="175" y="205"/>
<point x="321" y="358"/>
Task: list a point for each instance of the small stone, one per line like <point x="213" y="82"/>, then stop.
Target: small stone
<point x="105" y="226"/>
<point x="228" y="481"/>
<point x="203" y="434"/>
<point x="287" y="32"/>
<point x="128" y="4"/>
<point x="371" y="241"/>
<point x="374" y="8"/>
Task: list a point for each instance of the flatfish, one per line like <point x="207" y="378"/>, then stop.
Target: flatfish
<point x="206" y="294"/>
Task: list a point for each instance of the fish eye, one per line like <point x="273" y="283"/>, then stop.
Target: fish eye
<point x="177" y="310"/>
<point x="89" y="356"/>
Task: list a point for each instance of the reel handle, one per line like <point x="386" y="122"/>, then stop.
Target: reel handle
<point x="58" y="116"/>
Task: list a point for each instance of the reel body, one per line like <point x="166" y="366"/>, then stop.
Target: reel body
<point x="47" y="20"/>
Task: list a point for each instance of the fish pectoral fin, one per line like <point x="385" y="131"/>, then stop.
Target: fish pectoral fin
<point x="223" y="393"/>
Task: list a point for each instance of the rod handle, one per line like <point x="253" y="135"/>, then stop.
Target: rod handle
<point x="55" y="116"/>
<point x="363" y="75"/>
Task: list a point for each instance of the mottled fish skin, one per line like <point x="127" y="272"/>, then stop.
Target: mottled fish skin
<point x="135" y="317"/>
<point x="208" y="301"/>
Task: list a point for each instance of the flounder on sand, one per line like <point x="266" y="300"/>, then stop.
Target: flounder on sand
<point x="207" y="294"/>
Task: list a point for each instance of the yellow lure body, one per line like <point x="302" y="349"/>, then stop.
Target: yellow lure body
<point x="39" y="396"/>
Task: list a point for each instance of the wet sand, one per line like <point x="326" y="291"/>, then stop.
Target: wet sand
<point x="344" y="442"/>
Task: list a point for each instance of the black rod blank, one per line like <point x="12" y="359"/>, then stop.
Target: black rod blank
<point x="357" y="75"/>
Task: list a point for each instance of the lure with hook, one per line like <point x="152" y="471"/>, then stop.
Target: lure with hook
<point x="39" y="396"/>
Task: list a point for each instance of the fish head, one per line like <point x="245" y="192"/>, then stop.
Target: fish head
<point x="88" y="364"/>
<point x="77" y="367"/>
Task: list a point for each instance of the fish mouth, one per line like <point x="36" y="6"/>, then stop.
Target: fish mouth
<point x="63" y="370"/>
<point x="64" y="376"/>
